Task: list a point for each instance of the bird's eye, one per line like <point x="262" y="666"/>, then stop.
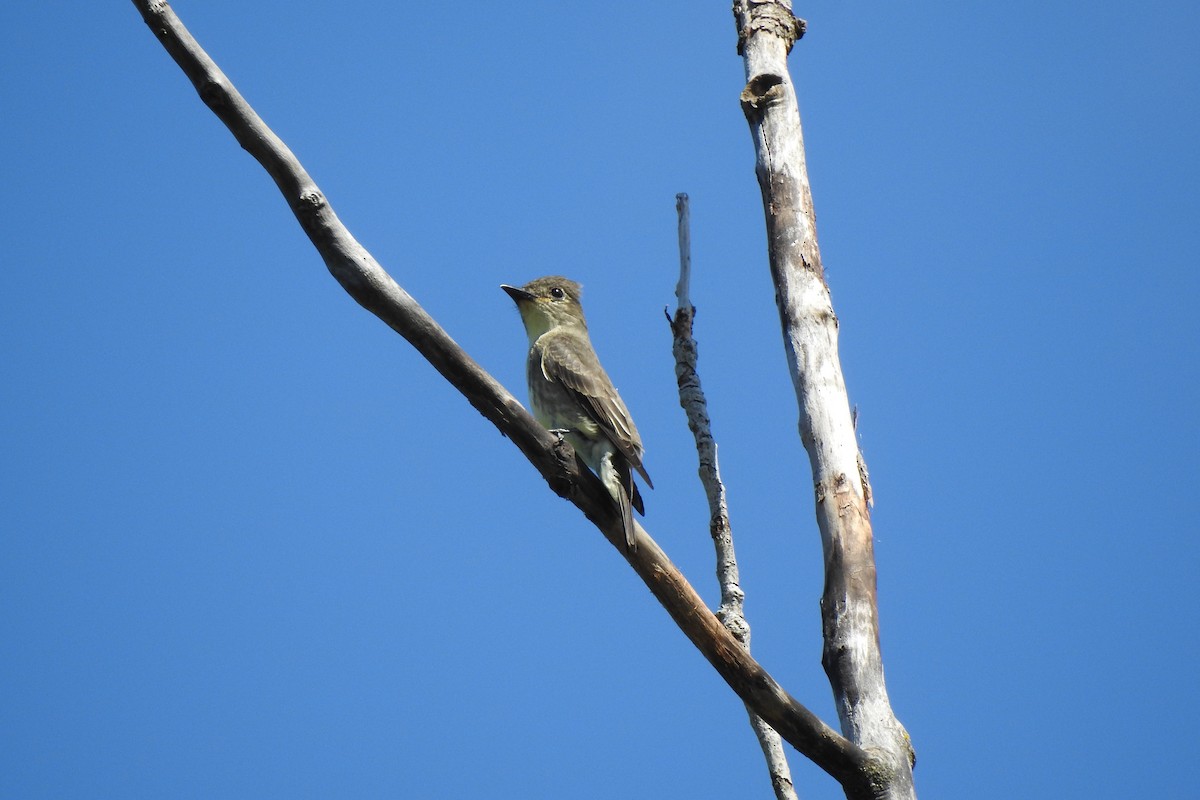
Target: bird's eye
<point x="556" y="292"/>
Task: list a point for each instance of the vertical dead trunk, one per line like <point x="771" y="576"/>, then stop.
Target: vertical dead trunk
<point x="766" y="31"/>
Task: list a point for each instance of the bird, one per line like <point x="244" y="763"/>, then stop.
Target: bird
<point x="573" y="396"/>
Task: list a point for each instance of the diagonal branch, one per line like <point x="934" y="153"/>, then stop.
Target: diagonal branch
<point x="373" y="288"/>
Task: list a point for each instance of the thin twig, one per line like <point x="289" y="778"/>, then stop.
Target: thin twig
<point x="691" y="398"/>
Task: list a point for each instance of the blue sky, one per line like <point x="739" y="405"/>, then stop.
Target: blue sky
<point x="253" y="546"/>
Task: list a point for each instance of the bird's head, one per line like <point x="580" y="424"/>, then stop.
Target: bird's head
<point x="547" y="303"/>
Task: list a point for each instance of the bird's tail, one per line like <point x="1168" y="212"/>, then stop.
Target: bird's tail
<point x="618" y="479"/>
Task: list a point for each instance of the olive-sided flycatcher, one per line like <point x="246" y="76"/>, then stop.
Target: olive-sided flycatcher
<point x="571" y="393"/>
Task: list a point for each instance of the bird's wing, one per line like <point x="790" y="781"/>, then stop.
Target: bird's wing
<point x="570" y="360"/>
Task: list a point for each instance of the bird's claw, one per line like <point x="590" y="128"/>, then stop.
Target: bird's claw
<point x="560" y="433"/>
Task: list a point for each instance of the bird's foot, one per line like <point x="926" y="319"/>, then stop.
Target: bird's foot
<point x="560" y="433"/>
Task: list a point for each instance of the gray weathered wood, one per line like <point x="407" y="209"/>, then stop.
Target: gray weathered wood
<point x="766" y="31"/>
<point x="691" y="397"/>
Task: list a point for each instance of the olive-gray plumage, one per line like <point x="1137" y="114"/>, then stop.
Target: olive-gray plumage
<point x="569" y="391"/>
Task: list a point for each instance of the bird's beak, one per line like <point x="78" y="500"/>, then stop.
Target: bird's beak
<point x="518" y="295"/>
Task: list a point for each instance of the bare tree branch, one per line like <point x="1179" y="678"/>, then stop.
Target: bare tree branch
<point x="766" y="31"/>
<point x="367" y="282"/>
<point x="691" y="398"/>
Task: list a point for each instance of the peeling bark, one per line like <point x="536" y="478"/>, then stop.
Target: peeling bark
<point x="849" y="609"/>
<point x="691" y="397"/>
